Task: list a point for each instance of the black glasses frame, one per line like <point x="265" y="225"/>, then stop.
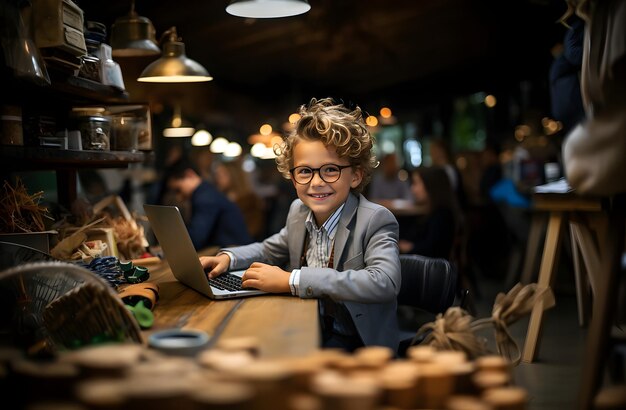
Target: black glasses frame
<point x="314" y="170"/>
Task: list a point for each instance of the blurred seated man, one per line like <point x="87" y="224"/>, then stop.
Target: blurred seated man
<point x="386" y="183"/>
<point x="214" y="219"/>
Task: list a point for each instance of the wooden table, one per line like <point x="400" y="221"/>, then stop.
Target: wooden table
<point x="597" y="234"/>
<point x="283" y="325"/>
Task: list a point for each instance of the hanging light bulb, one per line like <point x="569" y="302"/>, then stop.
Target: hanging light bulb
<point x="201" y="138"/>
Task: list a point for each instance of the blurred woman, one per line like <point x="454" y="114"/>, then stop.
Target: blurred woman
<point x="231" y="180"/>
<point x="435" y="229"/>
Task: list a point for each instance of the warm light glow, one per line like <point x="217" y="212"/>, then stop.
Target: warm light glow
<point x="177" y="121"/>
<point x="219" y="145"/>
<point x="258" y="150"/>
<point x="265" y="129"/>
<point x="179" y="132"/>
<point x="275" y="140"/>
<point x="372" y="121"/>
<point x="385" y="112"/>
<point x="201" y="138"/>
<point x="490" y="101"/>
<point x="294" y="118"/>
<point x="267" y="9"/>
<point x="175" y="79"/>
<point x="232" y="150"/>
<point x="519" y="135"/>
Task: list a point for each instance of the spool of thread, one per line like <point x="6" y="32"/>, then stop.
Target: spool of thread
<point x="506" y="398"/>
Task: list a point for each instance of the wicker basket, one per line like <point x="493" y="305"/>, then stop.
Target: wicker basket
<point x="61" y="306"/>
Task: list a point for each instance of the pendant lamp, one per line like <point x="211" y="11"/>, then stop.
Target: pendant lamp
<point x="267" y="8"/>
<point x="174" y="66"/>
<point x="133" y="35"/>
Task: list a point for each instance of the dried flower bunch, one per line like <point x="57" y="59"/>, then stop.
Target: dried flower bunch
<point x="21" y="212"/>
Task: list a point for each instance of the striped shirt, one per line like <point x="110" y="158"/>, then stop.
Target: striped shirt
<point x="321" y="241"/>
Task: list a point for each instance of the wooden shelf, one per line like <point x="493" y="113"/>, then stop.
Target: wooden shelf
<point x="53" y="158"/>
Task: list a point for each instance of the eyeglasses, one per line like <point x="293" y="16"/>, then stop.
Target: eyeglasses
<point x="328" y="172"/>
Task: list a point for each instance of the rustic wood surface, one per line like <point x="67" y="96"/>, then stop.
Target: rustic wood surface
<point x="283" y="325"/>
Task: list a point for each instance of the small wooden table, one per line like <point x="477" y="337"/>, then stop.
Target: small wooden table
<point x="597" y="228"/>
<point x="561" y="207"/>
<point x="283" y="325"/>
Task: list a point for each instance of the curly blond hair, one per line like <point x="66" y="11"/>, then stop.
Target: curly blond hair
<point x="334" y="125"/>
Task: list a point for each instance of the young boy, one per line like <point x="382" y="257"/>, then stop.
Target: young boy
<point x="336" y="245"/>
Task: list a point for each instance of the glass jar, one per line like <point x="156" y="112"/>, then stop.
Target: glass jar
<point x="95" y="129"/>
<point x="125" y="133"/>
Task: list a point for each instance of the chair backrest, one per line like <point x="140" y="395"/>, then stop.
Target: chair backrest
<point x="427" y="283"/>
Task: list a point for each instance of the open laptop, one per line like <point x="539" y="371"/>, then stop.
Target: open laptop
<point x="170" y="230"/>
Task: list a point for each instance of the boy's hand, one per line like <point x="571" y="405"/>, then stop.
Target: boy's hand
<point x="216" y="265"/>
<point x="267" y="278"/>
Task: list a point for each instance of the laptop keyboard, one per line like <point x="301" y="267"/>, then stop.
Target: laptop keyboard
<point x="226" y="281"/>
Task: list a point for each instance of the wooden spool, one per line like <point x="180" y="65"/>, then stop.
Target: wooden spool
<point x="110" y="360"/>
<point x="101" y="394"/>
<point x="463" y="402"/>
<point x="506" y="398"/>
<point x="222" y="395"/>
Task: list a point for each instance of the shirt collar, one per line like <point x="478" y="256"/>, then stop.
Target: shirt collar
<point x="330" y="226"/>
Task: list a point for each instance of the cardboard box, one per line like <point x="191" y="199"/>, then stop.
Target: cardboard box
<point x="36" y="240"/>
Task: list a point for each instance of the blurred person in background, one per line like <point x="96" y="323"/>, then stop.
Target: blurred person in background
<point x="214" y="219"/>
<point x="386" y="183"/>
<point x="232" y="181"/>
<point x="435" y="230"/>
<point x="441" y="156"/>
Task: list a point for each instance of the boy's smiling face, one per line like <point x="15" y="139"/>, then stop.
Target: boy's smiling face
<point x="321" y="197"/>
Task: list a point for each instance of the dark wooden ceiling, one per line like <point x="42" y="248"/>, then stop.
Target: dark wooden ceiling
<point x="403" y="52"/>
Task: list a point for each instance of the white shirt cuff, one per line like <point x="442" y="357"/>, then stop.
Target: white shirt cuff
<point x="233" y="260"/>
<point x="294" y="282"/>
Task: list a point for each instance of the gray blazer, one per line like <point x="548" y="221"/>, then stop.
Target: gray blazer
<point x="366" y="274"/>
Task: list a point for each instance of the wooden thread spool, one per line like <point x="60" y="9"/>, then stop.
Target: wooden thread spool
<point x="463" y="402"/>
<point x="236" y="344"/>
<point x="344" y="393"/>
<point x="506" y="398"/>
<point x="303" y="371"/>
<point x="46" y="380"/>
<point x="435" y="385"/>
<point x="55" y="405"/>
<point x="270" y="380"/>
<point x="169" y="366"/>
<point x="101" y="394"/>
<point x="421" y="354"/>
<point x="111" y="360"/>
<point x="493" y="362"/>
<point x="223" y="360"/>
<point x="449" y="357"/>
<point x="158" y="393"/>
<point x="328" y="356"/>
<point x="304" y="401"/>
<point x="463" y="374"/>
<point x="489" y="379"/>
<point x="346" y="364"/>
<point x="374" y="357"/>
<point x="223" y="396"/>
<point x="398" y="381"/>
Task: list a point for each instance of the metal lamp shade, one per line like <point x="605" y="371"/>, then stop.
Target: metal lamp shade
<point x="133" y="35"/>
<point x="174" y="67"/>
<point x="267" y="8"/>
